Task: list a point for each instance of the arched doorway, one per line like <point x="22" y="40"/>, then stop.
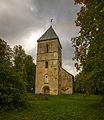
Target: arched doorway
<point x="46" y="90"/>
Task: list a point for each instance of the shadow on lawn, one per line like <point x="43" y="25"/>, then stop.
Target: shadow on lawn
<point x="38" y="97"/>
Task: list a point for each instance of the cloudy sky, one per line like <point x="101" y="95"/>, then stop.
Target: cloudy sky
<point x="22" y="22"/>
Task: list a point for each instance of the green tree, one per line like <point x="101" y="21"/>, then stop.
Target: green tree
<point x="89" y="45"/>
<point x="30" y="70"/>
<point x="24" y="65"/>
<point x="12" y="90"/>
<point x="19" y="56"/>
<point x="5" y="54"/>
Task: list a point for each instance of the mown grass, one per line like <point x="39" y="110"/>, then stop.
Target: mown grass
<point x="64" y="107"/>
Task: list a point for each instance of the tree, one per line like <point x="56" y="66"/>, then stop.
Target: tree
<point x="24" y="65"/>
<point x="5" y="54"/>
<point x="19" y="56"/>
<point x="30" y="70"/>
<point x="89" y="45"/>
<point x="12" y="89"/>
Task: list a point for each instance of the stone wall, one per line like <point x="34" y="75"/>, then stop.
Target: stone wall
<point x="48" y="77"/>
<point x="66" y="82"/>
<point x="51" y="78"/>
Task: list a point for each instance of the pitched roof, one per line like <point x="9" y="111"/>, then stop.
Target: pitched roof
<point x="49" y="34"/>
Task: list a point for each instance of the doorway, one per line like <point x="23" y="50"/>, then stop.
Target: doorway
<point x="46" y="90"/>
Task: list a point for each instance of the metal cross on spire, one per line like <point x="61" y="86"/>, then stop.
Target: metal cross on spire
<point x="51" y="21"/>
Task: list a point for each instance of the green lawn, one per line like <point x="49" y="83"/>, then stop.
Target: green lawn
<point x="64" y="107"/>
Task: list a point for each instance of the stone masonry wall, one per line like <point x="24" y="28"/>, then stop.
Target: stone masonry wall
<point x="66" y="80"/>
<point x="47" y="77"/>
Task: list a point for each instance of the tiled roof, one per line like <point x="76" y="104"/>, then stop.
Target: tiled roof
<point x="49" y="34"/>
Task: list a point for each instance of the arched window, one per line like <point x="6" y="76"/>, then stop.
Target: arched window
<point x="46" y="64"/>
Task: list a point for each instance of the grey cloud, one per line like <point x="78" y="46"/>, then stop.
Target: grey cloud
<point x="33" y="53"/>
<point x="18" y="18"/>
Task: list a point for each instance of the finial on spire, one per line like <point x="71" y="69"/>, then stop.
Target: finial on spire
<point x="51" y="21"/>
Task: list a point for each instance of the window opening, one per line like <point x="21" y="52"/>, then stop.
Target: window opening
<point x="47" y="48"/>
<point x="46" y="64"/>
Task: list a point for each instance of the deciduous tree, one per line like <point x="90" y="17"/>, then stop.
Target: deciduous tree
<point x="12" y="89"/>
<point x="89" y="45"/>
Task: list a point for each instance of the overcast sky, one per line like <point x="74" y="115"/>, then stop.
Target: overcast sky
<point x="22" y="22"/>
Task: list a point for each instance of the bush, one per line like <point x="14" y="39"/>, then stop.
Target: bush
<point x="12" y="91"/>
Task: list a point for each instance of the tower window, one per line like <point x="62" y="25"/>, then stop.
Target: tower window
<point x="46" y="79"/>
<point x="46" y="64"/>
<point x="47" y="48"/>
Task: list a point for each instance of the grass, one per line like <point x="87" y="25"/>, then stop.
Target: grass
<point x="64" y="107"/>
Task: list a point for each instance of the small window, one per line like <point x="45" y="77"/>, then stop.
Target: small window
<point x="46" y="64"/>
<point x="47" y="48"/>
<point x="46" y="79"/>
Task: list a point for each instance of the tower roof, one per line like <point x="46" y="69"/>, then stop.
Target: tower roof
<point x="48" y="35"/>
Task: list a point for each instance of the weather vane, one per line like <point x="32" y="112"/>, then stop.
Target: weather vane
<point x="51" y="21"/>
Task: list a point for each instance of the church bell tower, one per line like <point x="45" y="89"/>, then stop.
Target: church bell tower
<point x="49" y="62"/>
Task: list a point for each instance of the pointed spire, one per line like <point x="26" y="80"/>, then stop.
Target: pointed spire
<point x="49" y="34"/>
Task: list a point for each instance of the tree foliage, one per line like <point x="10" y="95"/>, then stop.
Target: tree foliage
<point x="17" y="73"/>
<point x="24" y="65"/>
<point x="19" y="56"/>
<point x="12" y="89"/>
<point x="5" y="53"/>
<point x="89" y="45"/>
<point x="30" y="71"/>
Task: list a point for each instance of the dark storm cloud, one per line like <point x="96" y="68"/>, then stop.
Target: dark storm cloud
<point x="18" y="18"/>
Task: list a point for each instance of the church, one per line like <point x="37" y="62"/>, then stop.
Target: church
<point x="51" y="78"/>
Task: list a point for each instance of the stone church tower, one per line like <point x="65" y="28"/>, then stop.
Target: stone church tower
<point x="51" y="78"/>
